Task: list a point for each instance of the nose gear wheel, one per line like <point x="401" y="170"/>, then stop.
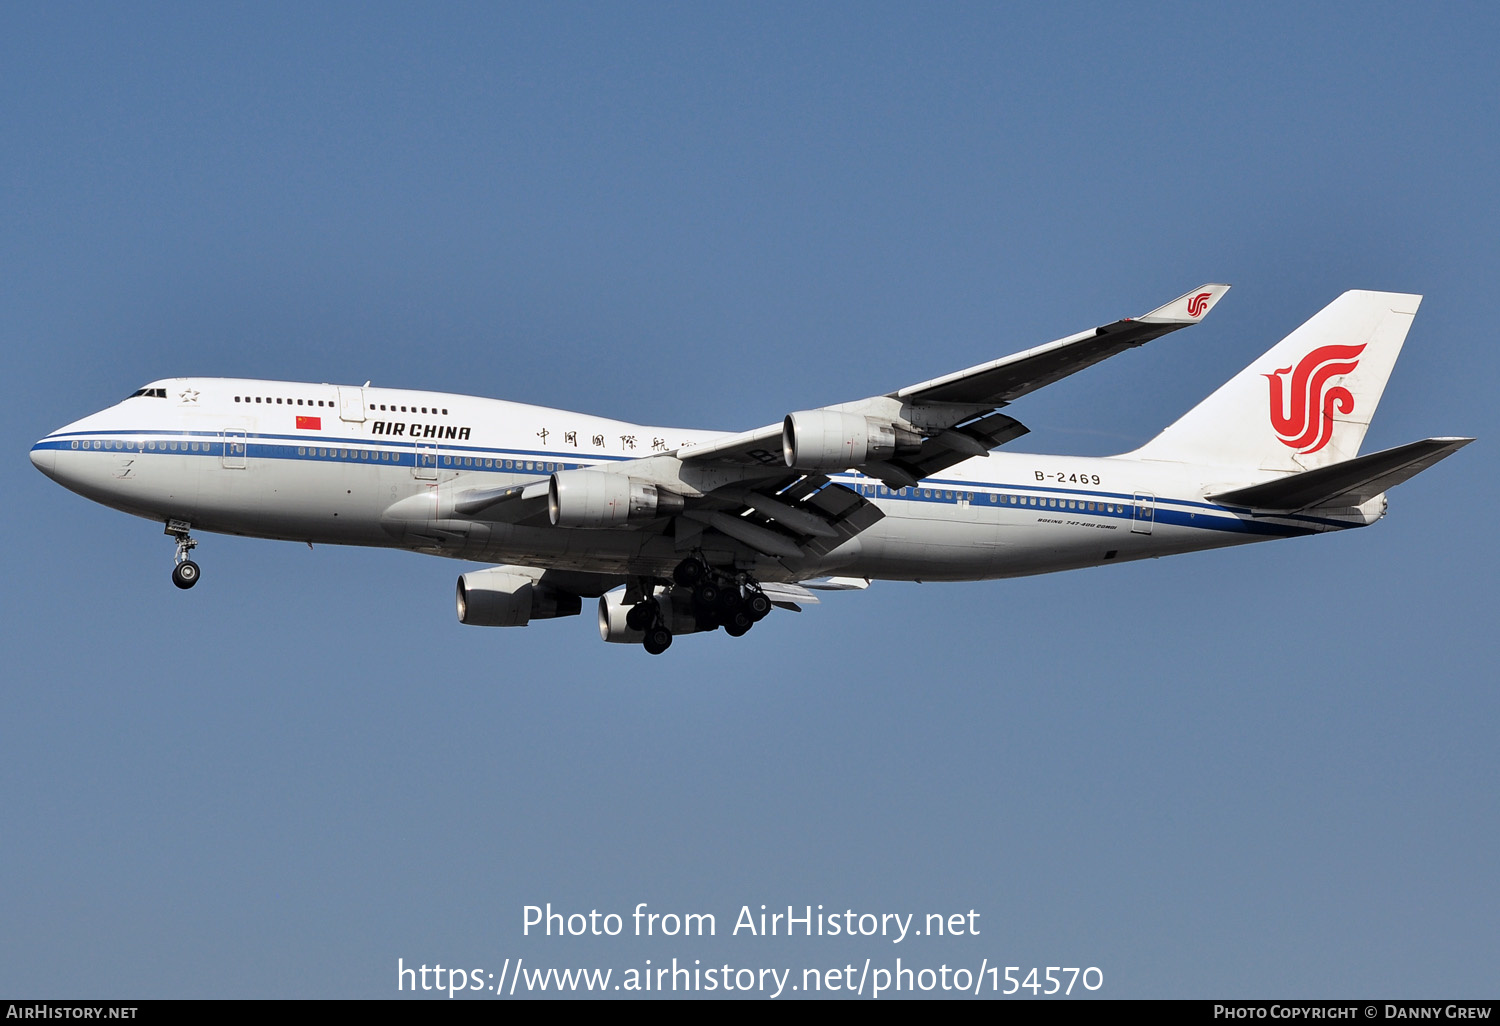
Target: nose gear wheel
<point x="185" y="572"/>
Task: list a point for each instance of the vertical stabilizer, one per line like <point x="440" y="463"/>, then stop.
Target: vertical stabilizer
<point x="1307" y="402"/>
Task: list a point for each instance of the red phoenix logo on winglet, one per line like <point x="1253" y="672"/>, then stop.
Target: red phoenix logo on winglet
<point x="1308" y="425"/>
<point x="1198" y="302"/>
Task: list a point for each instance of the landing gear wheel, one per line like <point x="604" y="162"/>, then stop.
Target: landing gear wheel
<point x="640" y="615"/>
<point x="688" y="573"/>
<point x="707" y="594"/>
<point x="185" y="574"/>
<point x="759" y="605"/>
<point x="737" y="631"/>
<point x="658" y="640"/>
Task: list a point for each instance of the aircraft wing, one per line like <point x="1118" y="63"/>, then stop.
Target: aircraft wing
<point x="1010" y="377"/>
<point x="948" y="419"/>
<point x="797" y="517"/>
<point x="769" y="491"/>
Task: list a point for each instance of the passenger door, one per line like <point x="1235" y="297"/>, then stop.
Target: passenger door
<point x="1144" y="515"/>
<point x="352" y="404"/>
<point x="234" y="446"/>
<point x="425" y="469"/>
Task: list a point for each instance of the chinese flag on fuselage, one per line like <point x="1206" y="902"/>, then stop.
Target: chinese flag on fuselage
<point x="309" y="423"/>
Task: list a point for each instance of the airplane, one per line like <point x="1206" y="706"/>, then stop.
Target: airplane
<point x="680" y="531"/>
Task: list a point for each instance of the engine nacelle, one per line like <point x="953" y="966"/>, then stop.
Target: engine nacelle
<point x="596" y="498"/>
<point x="497" y="598"/>
<point x="830" y="440"/>
<point x="678" y="616"/>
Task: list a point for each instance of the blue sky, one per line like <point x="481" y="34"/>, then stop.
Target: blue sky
<point x="1268" y="771"/>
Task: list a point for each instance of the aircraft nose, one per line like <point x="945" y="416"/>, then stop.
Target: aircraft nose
<point x="43" y="457"/>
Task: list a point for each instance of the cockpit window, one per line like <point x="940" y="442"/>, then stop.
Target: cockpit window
<point x="149" y="393"/>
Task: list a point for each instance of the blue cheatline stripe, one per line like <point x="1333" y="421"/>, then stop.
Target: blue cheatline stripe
<point x="304" y="448"/>
<point x="325" y="441"/>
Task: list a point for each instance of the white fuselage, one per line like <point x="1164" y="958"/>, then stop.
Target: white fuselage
<point x="379" y="466"/>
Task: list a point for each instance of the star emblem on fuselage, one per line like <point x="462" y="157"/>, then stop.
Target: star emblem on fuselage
<point x="188" y="395"/>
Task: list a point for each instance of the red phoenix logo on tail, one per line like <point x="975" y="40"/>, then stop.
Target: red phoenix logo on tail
<point x="1308" y="425"/>
<point x="1198" y="302"/>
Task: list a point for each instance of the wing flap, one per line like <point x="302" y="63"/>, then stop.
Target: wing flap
<point x="849" y="512"/>
<point x="947" y="448"/>
<point x="837" y="583"/>
<point x="761" y="539"/>
<point x="823" y="518"/>
<point x="788" y="594"/>
<point x="798" y="520"/>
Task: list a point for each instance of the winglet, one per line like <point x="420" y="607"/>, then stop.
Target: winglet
<point x="1188" y="308"/>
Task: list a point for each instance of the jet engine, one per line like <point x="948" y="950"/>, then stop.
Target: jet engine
<point x="596" y="498"/>
<point x="830" y="440"/>
<point x="497" y="598"/>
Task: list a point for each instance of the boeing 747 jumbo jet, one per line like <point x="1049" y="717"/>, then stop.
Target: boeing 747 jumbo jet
<point x="678" y="531"/>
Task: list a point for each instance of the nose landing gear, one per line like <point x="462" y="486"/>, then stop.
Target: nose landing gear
<point x="185" y="573"/>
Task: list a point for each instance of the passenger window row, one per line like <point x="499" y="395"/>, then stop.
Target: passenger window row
<point x="998" y="498"/>
<point x="146" y="446"/>
<point x="279" y="401"/>
<point x="1082" y="505"/>
<point x="378" y="455"/>
<point x="375" y="455"/>
<point x="919" y="493"/>
<point x="479" y="463"/>
<point x="268" y="400"/>
<point x="392" y="408"/>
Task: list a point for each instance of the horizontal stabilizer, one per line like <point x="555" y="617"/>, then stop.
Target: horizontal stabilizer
<point x="1349" y="483"/>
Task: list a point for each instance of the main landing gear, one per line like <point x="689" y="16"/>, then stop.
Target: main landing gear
<point x="185" y="573"/>
<point x="714" y="599"/>
<point x="645" y="616"/>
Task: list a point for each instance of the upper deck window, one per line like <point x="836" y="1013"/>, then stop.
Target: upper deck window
<point x="149" y="393"/>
